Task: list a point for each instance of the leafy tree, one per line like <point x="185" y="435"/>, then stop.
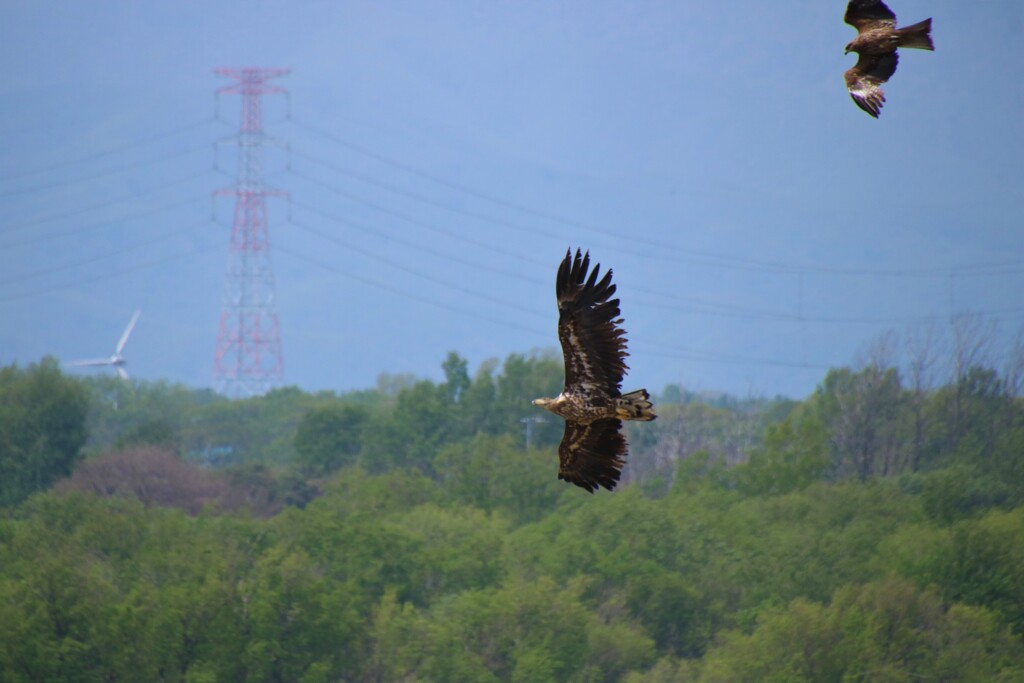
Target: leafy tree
<point x="883" y="631"/>
<point x="184" y="606"/>
<point x="330" y="437"/>
<point x="354" y="492"/>
<point x="477" y="403"/>
<point x="722" y="429"/>
<point x="794" y="454"/>
<point x="535" y="631"/>
<point x="493" y="473"/>
<point x="409" y="435"/>
<point x="963" y="490"/>
<point x="862" y="411"/>
<point x="159" y="413"/>
<point x="260" y="429"/>
<point x="299" y="624"/>
<point x="42" y="428"/>
<point x="798" y="644"/>
<point x="157" y="477"/>
<point x="983" y="564"/>
<point x="972" y="413"/>
<point x="524" y="378"/>
<point x="456" y="374"/>
<point x="1006" y="465"/>
<point x="616" y="646"/>
<point x="154" y="432"/>
<point x="454" y="553"/>
<point x="458" y="549"/>
<point x="637" y="553"/>
<point x="53" y="613"/>
<point x="351" y="535"/>
<point x="397" y="636"/>
<point x="666" y="670"/>
<point x="811" y="542"/>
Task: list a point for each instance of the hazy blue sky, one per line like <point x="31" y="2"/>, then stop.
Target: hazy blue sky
<point x="443" y="156"/>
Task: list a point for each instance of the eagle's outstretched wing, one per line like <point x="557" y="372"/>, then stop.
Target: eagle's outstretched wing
<point x="593" y="344"/>
<point x="865" y="78"/>
<point x="865" y="15"/>
<point x="592" y="455"/>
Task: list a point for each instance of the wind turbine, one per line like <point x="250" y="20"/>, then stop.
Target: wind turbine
<point x="116" y="361"/>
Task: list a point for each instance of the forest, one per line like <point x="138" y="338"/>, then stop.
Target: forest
<point x="416" y="531"/>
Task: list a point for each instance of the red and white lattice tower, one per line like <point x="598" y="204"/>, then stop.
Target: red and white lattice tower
<point x="248" y="359"/>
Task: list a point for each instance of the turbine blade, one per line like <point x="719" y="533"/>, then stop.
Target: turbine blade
<point x="94" y="362"/>
<point x="122" y="373"/>
<point x="127" y="333"/>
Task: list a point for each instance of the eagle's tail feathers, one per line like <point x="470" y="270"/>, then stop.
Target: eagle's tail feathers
<point x="917" y="35"/>
<point x="636" y="405"/>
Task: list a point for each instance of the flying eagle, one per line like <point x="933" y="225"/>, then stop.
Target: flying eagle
<point x="593" y="449"/>
<point x="875" y="44"/>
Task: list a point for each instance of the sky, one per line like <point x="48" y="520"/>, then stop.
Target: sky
<point x="441" y="157"/>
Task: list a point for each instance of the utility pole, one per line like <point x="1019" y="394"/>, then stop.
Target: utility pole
<point x="530" y="422"/>
<point x="248" y="359"/>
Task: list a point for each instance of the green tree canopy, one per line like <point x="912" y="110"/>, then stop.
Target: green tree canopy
<point x="330" y="437"/>
<point x="42" y="428"/>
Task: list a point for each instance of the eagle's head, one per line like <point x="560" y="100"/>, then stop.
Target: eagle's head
<point x="542" y="402"/>
<point x="849" y="48"/>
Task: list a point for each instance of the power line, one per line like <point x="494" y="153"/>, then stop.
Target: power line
<point x="669" y="351"/>
<point x="109" y="151"/>
<point x="739" y="312"/>
<point x="727" y="310"/>
<point x="412" y="271"/>
<point x="720" y="260"/>
<point x="665" y="351"/>
<point x="437" y="179"/>
<point x="488" y="246"/>
<point x="109" y="274"/>
<point x="736" y="311"/>
<point x="101" y="174"/>
<point x="77" y="264"/>
<point x="364" y="228"/>
<point x="403" y="293"/>
<point x="537" y="232"/>
<point x="102" y="224"/>
<point x="418" y="197"/>
<point x="191" y="177"/>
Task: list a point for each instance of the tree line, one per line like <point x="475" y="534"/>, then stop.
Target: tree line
<point x="871" y="532"/>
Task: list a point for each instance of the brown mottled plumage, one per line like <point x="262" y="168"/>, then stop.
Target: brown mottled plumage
<point x="875" y="44"/>
<point x="593" y="449"/>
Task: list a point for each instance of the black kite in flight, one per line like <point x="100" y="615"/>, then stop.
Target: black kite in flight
<point x="876" y="43"/>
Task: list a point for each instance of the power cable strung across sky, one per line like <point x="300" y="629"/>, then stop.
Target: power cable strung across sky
<point x="424" y="228"/>
<point x="663" y="250"/>
<point x="675" y="302"/>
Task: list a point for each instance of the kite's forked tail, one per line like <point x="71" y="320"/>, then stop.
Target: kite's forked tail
<point x="636" y="405"/>
<point x="917" y="35"/>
